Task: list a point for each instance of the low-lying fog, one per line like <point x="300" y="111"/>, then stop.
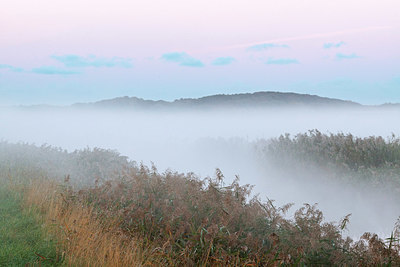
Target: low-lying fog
<point x="199" y="142"/>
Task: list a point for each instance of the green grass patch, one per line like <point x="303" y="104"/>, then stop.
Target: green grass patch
<point x="22" y="240"/>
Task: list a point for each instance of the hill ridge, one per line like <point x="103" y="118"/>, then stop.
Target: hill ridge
<point x="256" y="99"/>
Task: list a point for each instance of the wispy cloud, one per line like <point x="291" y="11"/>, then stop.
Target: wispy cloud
<point x="183" y="59"/>
<point x="223" y="61"/>
<point x="51" y="70"/>
<point x="311" y="36"/>
<point x="281" y="61"/>
<point x="11" y="68"/>
<point x="341" y="56"/>
<point x="265" y="46"/>
<point x="333" y="45"/>
<point x="93" y="61"/>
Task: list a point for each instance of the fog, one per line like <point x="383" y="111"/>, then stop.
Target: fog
<point x="199" y="142"/>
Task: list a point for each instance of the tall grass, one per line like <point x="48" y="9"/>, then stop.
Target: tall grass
<point x="23" y="242"/>
<point x="373" y="160"/>
<point x="123" y="214"/>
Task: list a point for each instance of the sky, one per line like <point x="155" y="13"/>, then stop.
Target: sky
<point x="63" y="52"/>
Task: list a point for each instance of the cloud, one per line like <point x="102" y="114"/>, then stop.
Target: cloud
<point x="281" y="61"/>
<point x="11" y="68"/>
<point x="341" y="56"/>
<point x="220" y="61"/>
<point x="93" y="61"/>
<point x="51" y="70"/>
<point x="262" y="47"/>
<point x="183" y="59"/>
<point x="333" y="45"/>
<point x="312" y="36"/>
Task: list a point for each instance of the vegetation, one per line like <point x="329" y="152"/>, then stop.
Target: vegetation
<point x="249" y="100"/>
<point x="22" y="240"/>
<point x="351" y="159"/>
<point x="347" y="151"/>
<point x="106" y="210"/>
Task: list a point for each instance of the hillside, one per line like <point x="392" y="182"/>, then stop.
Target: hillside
<point x="247" y="100"/>
<point x="137" y="216"/>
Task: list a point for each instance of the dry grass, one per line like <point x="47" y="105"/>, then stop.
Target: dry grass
<point x="141" y="217"/>
<point x="99" y="232"/>
<point x="85" y="239"/>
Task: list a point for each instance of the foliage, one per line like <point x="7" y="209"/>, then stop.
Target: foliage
<point x="177" y="219"/>
<point x="344" y="156"/>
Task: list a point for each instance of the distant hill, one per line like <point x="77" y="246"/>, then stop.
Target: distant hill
<point x="390" y="105"/>
<point x="249" y="100"/>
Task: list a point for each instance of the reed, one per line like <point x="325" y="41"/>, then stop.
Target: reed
<point x="134" y="215"/>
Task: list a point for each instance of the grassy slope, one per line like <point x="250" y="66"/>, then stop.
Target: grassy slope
<point x="21" y="237"/>
<point x="138" y="215"/>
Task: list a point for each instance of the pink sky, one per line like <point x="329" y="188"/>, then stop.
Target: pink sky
<point x="31" y="32"/>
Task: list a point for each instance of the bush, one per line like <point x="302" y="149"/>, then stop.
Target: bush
<point x="191" y="221"/>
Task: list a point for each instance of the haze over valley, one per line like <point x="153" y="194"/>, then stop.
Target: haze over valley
<point x="225" y="132"/>
<point x="199" y="133"/>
